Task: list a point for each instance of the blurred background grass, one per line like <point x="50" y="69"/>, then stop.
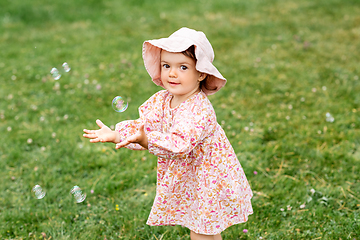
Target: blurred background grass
<point x="288" y="63"/>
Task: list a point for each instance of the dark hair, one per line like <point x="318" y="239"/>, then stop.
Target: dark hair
<point x="190" y="52"/>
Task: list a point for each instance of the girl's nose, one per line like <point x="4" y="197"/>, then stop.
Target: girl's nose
<point x="172" y="73"/>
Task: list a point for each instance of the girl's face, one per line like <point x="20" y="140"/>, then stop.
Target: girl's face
<point x="179" y="75"/>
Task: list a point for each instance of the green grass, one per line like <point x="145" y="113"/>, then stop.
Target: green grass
<point x="288" y="63"/>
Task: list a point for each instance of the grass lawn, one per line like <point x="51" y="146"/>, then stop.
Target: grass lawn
<point x="288" y="64"/>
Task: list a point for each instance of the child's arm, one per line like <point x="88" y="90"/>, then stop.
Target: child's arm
<point x="187" y="131"/>
<point x="104" y="134"/>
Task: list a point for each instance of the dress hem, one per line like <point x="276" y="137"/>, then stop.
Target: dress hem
<point x="197" y="230"/>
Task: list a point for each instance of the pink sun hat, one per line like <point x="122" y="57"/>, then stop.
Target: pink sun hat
<point x="180" y="41"/>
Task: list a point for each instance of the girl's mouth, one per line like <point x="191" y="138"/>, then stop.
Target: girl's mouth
<point x="173" y="83"/>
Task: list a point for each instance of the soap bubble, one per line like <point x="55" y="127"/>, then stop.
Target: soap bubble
<point x="119" y="104"/>
<point x="66" y="67"/>
<point x="38" y="191"/>
<point x="77" y="193"/>
<point x="55" y="73"/>
<point x="329" y="118"/>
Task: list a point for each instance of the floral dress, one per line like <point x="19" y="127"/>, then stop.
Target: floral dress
<point x="200" y="182"/>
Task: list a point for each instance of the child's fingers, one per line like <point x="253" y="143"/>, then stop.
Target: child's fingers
<point x="87" y="136"/>
<point x="119" y="145"/>
<point x="141" y="129"/>
<point x="127" y="141"/>
<point x="122" y="144"/>
<point x="88" y="131"/>
<point x="90" y="135"/>
<point x="99" y="123"/>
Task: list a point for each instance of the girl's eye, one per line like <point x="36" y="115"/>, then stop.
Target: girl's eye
<point x="183" y="67"/>
<point x="166" y="65"/>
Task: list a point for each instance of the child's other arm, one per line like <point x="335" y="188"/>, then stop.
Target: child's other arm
<point x="183" y="136"/>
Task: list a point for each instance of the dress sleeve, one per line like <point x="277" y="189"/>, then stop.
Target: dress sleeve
<point x="146" y="111"/>
<point x="189" y="129"/>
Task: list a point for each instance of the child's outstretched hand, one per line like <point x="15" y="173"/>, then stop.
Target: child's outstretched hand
<point x="104" y="134"/>
<point x="139" y="137"/>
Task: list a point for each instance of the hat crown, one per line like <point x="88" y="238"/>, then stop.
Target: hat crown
<point x="199" y="39"/>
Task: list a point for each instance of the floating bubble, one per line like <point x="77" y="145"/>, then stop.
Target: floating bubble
<point x="66" y="67"/>
<point x="329" y="118"/>
<point x="38" y="191"/>
<point x="77" y="193"/>
<point x="119" y="104"/>
<point x="55" y="73"/>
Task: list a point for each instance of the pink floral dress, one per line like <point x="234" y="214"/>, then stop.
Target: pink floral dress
<point x="200" y="182"/>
